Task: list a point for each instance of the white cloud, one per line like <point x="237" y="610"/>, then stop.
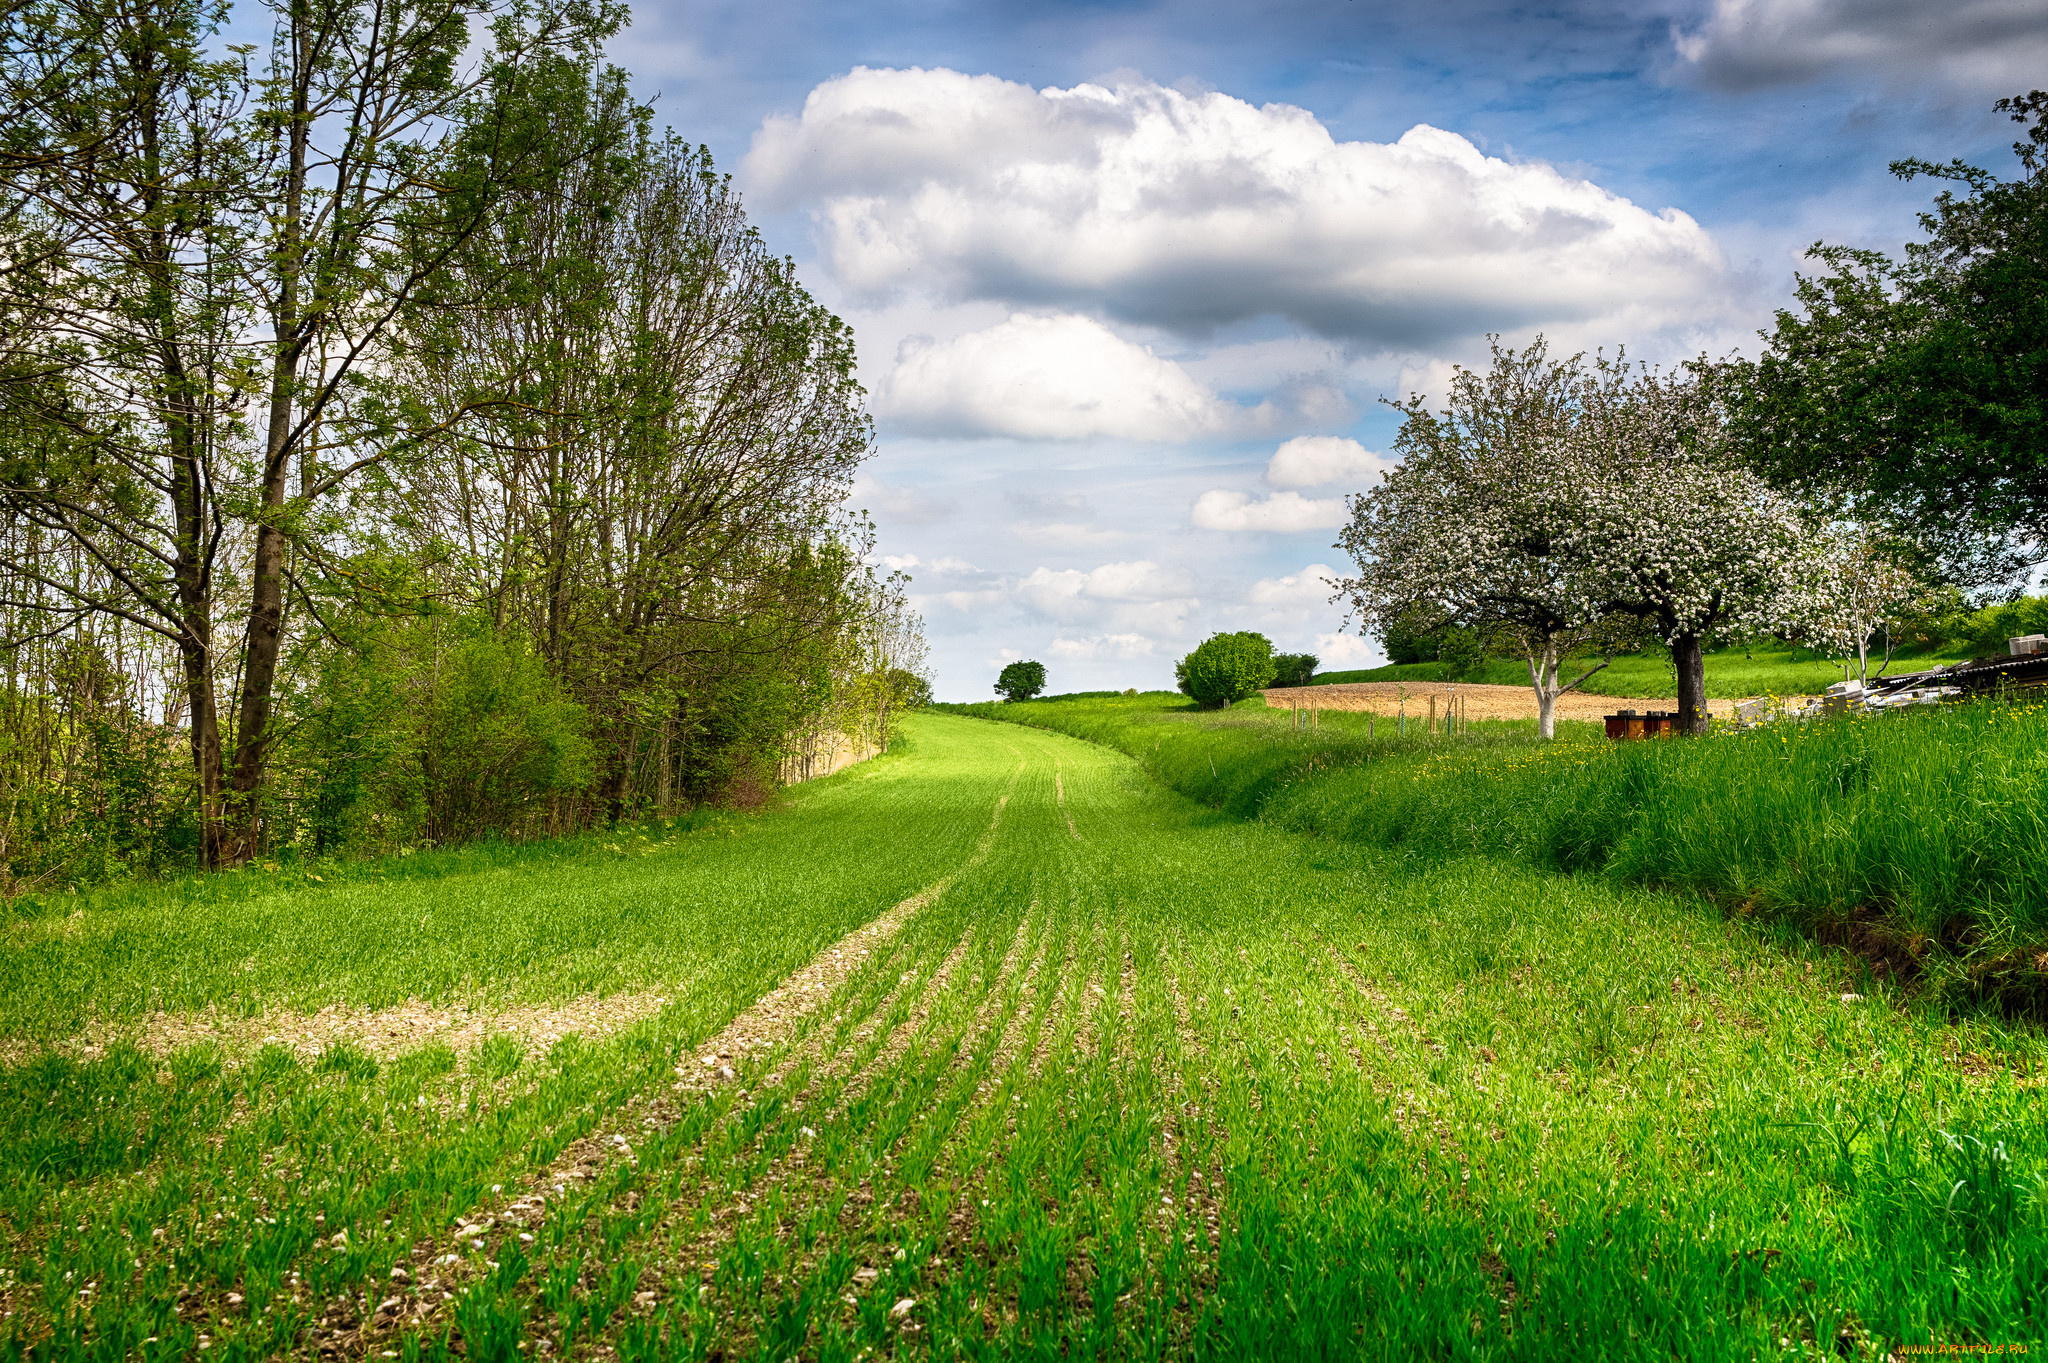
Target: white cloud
<point x="1430" y="379"/>
<point x="1063" y="377"/>
<point x="1319" y="460"/>
<point x="1985" y="46"/>
<point x="1346" y="652"/>
<point x="1308" y="589"/>
<point x="1190" y="211"/>
<point x="1119" y="646"/>
<point x="1055" y="591"/>
<point x="1283" y="512"/>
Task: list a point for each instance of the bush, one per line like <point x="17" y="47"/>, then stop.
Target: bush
<point x="1226" y="668"/>
<point x="1294" y="669"/>
<point x="1021" y="681"/>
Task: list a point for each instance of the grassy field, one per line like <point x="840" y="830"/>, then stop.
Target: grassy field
<point x="1127" y="1077"/>
<point x="1732" y="673"/>
<point x="1919" y="837"/>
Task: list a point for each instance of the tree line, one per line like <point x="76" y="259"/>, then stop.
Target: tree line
<point x="1886" y="452"/>
<point x="401" y="439"/>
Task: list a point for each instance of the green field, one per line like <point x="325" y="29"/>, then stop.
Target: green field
<point x="1732" y="673"/>
<point x="1135" y="1077"/>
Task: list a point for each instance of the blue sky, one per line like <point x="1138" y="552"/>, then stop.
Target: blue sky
<point x="1130" y="278"/>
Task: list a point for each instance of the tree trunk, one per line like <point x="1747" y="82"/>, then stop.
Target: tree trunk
<point x="1689" y="655"/>
<point x="266" y="589"/>
<point x="1543" y="676"/>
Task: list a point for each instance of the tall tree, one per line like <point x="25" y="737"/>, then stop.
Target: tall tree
<point x="657" y="509"/>
<point x="206" y="257"/>
<point x="1916" y="390"/>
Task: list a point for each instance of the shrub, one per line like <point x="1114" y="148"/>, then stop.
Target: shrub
<point x="1294" y="669"/>
<point x="1021" y="681"/>
<point x="1226" y="668"/>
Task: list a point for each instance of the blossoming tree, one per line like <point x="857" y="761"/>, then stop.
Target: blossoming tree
<point x="1677" y="535"/>
<point x="1869" y="589"/>
<point x="1475" y="527"/>
<point x="1564" y="507"/>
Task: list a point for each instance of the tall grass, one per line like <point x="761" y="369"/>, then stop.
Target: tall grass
<point x="1921" y="837"/>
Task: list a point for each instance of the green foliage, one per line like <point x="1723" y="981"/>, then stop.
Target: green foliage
<point x="1987" y="631"/>
<point x="1920" y="387"/>
<point x="1294" y="669"/>
<point x="908" y="690"/>
<point x="1020" y="680"/>
<point x="1226" y="668"/>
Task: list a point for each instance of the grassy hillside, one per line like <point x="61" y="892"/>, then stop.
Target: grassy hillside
<point x="1124" y="1078"/>
<point x="1731" y="673"/>
<point x="1922" y="837"/>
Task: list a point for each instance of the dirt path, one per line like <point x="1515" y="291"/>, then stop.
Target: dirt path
<point x="1481" y="702"/>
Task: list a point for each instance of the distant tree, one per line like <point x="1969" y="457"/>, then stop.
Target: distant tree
<point x="1869" y="591"/>
<point x="1406" y="641"/>
<point x="1021" y="681"/>
<point x="1226" y="668"/>
<point x="1917" y="390"/>
<point x="1294" y="669"/>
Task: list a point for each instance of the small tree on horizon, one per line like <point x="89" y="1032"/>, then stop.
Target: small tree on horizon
<point x="1021" y="681"/>
<point x="1226" y="668"/>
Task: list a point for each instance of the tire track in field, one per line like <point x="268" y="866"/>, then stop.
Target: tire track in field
<point x="1059" y="795"/>
<point x="442" y="1269"/>
<point x="1002" y="1003"/>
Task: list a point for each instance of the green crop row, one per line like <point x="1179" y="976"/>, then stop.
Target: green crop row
<point x="1132" y="1079"/>
<point x="1920" y="837"/>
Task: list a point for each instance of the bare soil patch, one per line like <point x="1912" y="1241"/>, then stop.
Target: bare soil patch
<point x="1480" y="701"/>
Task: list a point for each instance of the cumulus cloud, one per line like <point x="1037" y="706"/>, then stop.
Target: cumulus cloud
<point x="1063" y="377"/>
<point x="1118" y="646"/>
<point x="1986" y="46"/>
<point x="1308" y="588"/>
<point x="1053" y="590"/>
<point x="1319" y="460"/>
<point x="1191" y="211"/>
<point x="1342" y="652"/>
<point x="1282" y="512"/>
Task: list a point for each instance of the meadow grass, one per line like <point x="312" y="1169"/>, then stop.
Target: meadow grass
<point x="1732" y="673"/>
<point x="1137" y="1078"/>
<point x="1920" y="837"/>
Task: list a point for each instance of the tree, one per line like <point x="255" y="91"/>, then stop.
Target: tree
<point x="204" y="260"/>
<point x="1558" y="507"/>
<point x="661" y="509"/>
<point x="1916" y="390"/>
<point x="1475" y="530"/>
<point x="1021" y="681"/>
<point x="910" y="690"/>
<point x="1868" y="589"/>
<point x="1226" y="668"/>
<point x="1294" y="669"/>
<point x="1676" y="535"/>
